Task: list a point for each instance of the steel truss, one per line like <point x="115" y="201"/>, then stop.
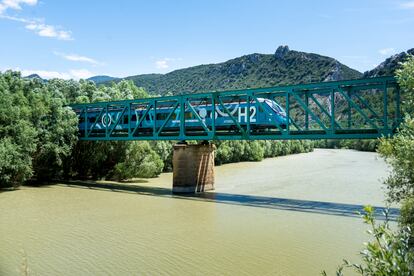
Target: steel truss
<point x="350" y="109"/>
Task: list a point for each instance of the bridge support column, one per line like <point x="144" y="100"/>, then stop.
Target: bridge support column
<point x="193" y="168"/>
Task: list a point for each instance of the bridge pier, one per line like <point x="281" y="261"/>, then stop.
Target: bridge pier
<point x="193" y="168"/>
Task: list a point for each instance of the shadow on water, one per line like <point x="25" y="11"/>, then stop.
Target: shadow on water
<point x="296" y="205"/>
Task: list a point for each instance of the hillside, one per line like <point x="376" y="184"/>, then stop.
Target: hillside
<point x="388" y="67"/>
<point x="283" y="67"/>
<point x="101" y="79"/>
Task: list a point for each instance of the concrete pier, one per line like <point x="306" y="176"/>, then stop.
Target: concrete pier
<point x="193" y="168"/>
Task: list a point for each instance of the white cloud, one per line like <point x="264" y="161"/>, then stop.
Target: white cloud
<point x="165" y="62"/>
<point x="407" y="5"/>
<point x="81" y="74"/>
<point x="71" y="74"/>
<point x="162" y="64"/>
<point x="75" y="57"/>
<point x="34" y="25"/>
<point x="49" y="31"/>
<point x="15" y="4"/>
<point x="46" y="74"/>
<point x="386" y="51"/>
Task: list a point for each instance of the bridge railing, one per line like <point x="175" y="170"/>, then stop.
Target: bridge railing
<point x="364" y="108"/>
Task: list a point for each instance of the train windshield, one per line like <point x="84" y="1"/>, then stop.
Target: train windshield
<point x="277" y="108"/>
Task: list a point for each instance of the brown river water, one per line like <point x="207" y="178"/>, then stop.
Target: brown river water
<point x="292" y="215"/>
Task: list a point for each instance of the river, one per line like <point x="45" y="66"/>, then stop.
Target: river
<point x="291" y="215"/>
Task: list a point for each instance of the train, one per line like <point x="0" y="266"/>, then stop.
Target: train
<point x="266" y="114"/>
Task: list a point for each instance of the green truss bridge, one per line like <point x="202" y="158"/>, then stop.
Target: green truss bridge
<point x="350" y="109"/>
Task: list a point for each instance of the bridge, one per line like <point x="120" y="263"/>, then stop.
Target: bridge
<point x="350" y="109"/>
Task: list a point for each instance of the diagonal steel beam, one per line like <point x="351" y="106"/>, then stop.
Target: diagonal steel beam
<point x="142" y="118"/>
<point x="323" y="109"/>
<point x="310" y="111"/>
<point x="167" y="119"/>
<point x="366" y="104"/>
<point x="96" y="121"/>
<point x="272" y="116"/>
<point x="232" y="118"/>
<point x="197" y="116"/>
<point x="367" y="120"/>
<point x="117" y="121"/>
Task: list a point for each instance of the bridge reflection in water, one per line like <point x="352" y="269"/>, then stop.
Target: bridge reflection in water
<point x="296" y="205"/>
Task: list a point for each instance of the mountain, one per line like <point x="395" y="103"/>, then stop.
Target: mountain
<point x="283" y="67"/>
<point x="388" y="67"/>
<point x="35" y="76"/>
<point x="102" y="79"/>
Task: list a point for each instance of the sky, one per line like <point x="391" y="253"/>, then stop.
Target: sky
<point x="79" y="39"/>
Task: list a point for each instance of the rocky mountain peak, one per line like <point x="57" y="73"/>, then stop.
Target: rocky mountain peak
<point x="281" y="51"/>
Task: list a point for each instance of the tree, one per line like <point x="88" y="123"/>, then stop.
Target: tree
<point x="57" y="134"/>
<point x="140" y="161"/>
<point x="36" y="130"/>
<point x="399" y="151"/>
<point x="405" y="77"/>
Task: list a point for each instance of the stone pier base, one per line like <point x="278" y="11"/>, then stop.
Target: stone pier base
<point x="193" y="168"/>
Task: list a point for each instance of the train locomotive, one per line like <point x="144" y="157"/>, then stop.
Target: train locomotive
<point x="264" y="115"/>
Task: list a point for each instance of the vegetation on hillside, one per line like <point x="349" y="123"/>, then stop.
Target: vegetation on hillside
<point x="284" y="67"/>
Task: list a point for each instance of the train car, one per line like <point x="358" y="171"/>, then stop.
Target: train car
<point x="268" y="114"/>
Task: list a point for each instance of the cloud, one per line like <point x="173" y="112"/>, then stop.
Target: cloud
<point x="15" y="4"/>
<point x="165" y="63"/>
<point x="386" y="51"/>
<point x="71" y="74"/>
<point x="81" y="74"/>
<point x="35" y="25"/>
<point x="46" y="74"/>
<point x="162" y="64"/>
<point x="49" y="31"/>
<point x="78" y="58"/>
<point x="407" y="5"/>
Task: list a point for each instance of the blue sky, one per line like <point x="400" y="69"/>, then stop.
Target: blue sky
<point x="78" y="39"/>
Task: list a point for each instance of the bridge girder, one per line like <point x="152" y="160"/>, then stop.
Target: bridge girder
<point x="350" y="109"/>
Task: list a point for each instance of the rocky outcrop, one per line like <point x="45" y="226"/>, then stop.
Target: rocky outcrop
<point x="388" y="67"/>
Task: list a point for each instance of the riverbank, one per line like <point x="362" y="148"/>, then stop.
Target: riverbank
<point x="291" y="215"/>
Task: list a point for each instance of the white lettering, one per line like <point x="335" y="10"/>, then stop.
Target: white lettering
<point x="243" y="114"/>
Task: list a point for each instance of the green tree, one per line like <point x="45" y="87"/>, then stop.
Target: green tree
<point x="140" y="161"/>
<point x="399" y="153"/>
<point x="405" y="77"/>
<point x="36" y="130"/>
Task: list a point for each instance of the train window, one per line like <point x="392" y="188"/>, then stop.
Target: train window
<point x="92" y="119"/>
<point x="174" y="116"/>
<point x="162" y="116"/>
<point x="125" y="119"/>
<point x="188" y="115"/>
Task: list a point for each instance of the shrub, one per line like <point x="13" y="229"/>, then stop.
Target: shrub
<point x="407" y="216"/>
<point x="389" y="252"/>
